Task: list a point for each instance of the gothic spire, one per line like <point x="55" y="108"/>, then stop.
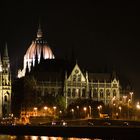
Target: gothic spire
<point x="0" y="59"/>
<point x="39" y="32"/>
<point x="0" y="64"/>
<point x="5" y="51"/>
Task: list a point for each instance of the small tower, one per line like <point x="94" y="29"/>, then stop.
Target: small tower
<point x="6" y="84"/>
<point x="0" y="87"/>
<point x="39" y="32"/>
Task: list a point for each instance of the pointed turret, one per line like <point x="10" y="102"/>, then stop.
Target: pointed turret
<point x="5" y="55"/>
<point x="6" y="84"/>
<point x="5" y="60"/>
<point x="39" y="32"/>
<point x="0" y="64"/>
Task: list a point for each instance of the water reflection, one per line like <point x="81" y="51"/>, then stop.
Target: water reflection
<point x="8" y="137"/>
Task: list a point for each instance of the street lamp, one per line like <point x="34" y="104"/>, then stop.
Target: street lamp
<point x="131" y="94"/>
<point x="78" y="114"/>
<point x="54" y="108"/>
<point x="89" y="111"/>
<point x="77" y="107"/>
<point x="85" y="109"/>
<point x="72" y="111"/>
<point x="45" y="108"/>
<point x="35" y="110"/>
<point x="60" y="112"/>
<point x="120" y="108"/>
<point x="99" y="109"/>
<point x="114" y="110"/>
<point x="137" y="111"/>
<point x="128" y="107"/>
<point x="138" y="105"/>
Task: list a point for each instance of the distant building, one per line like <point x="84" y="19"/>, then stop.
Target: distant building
<point x="55" y="76"/>
<point x="5" y="85"/>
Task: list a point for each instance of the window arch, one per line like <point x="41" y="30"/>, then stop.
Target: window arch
<point x="73" y="92"/>
<point x="5" y="98"/>
<point x="107" y="93"/>
<point x="95" y="93"/>
<point x="83" y="92"/>
<point x="79" y="77"/>
<point x="101" y="93"/>
<point x="69" y="92"/>
<point x="114" y="92"/>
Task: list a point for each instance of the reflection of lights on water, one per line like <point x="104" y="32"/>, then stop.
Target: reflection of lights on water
<point x="13" y="137"/>
<point x="34" y="137"/>
<point x="47" y="138"/>
<point x="59" y="138"/>
<point x="80" y="139"/>
<point x="26" y="137"/>
<point x="44" y="138"/>
<point x="7" y="137"/>
<point x="53" y="138"/>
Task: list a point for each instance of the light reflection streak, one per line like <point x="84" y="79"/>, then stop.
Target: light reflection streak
<point x="34" y="137"/>
<point x="44" y="138"/>
<point x="8" y="137"/>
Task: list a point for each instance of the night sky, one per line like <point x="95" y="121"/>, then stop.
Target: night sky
<point x="103" y="36"/>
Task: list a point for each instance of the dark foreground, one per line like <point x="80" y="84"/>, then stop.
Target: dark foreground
<point x="103" y="132"/>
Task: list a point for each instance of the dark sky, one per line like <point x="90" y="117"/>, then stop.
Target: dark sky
<point x="102" y="35"/>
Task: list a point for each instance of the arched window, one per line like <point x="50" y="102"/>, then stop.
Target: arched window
<point x="79" y="93"/>
<point x="69" y="92"/>
<point x="53" y="91"/>
<point x="83" y="92"/>
<point x="73" y="92"/>
<point x="79" y="77"/>
<point x="107" y="93"/>
<point x="90" y="92"/>
<point x="114" y="92"/>
<point x="101" y="93"/>
<point x="95" y="93"/>
<point x="5" y="98"/>
<point x="74" y="77"/>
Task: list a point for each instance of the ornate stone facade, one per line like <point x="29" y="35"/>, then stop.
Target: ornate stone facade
<point x="5" y="85"/>
<point x="55" y="77"/>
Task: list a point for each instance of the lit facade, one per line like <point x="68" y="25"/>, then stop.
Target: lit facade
<point x="5" y="85"/>
<point x="55" y="77"/>
<point x="84" y="85"/>
<point x="96" y="86"/>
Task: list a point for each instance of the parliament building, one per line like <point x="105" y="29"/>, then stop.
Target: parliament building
<point x="56" y="76"/>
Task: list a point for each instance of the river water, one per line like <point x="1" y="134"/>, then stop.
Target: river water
<point x="9" y="137"/>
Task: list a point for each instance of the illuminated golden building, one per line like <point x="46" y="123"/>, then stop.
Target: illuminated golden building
<point x="55" y="76"/>
<point x="5" y="85"/>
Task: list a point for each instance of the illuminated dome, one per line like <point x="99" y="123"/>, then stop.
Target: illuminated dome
<point x="37" y="48"/>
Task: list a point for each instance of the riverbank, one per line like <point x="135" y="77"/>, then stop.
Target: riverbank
<point x="108" y="132"/>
